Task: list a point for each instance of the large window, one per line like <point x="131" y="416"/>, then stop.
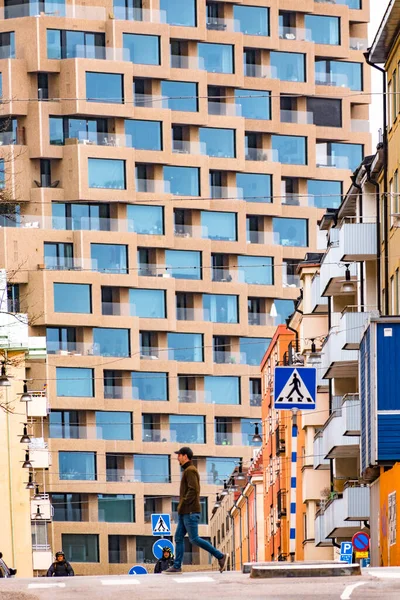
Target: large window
<point x="116" y="508"/>
<point x="180" y="95"/>
<point x="254" y="187"/>
<point x="251" y="20"/>
<point x="256" y="270"/>
<point x="322" y="30"/>
<point x="187" y="429"/>
<point x="220" y="308"/>
<point x="109" y="258"/>
<point x="185" y="347"/>
<point x="62" y="43"/>
<point x="7" y="44"/>
<point x="148" y="304"/>
<point x="255" y="104"/>
<point x="182" y="181"/>
<point x="288" y="66"/>
<point x="147" y="220"/>
<point x="143" y="135"/>
<point x="58" y="255"/>
<point x="81" y="547"/>
<point x="114" y="425"/>
<point x="222" y="390"/>
<point x="248" y="429"/>
<point x="142" y="49"/>
<point x="72" y="298"/>
<point x="149" y="386"/>
<point x="216" y="58"/>
<point x="105" y="87"/>
<point x="252" y="350"/>
<point x="323" y="193"/>
<point x="95" y="217"/>
<point x="67" y="507"/>
<point x="326" y="112"/>
<point x="64" y="424"/>
<point x="111" y="342"/>
<point x="218" y="142"/>
<point x="152" y="468"/>
<point x="75" y="382"/>
<point x="291" y="232"/>
<point x="339" y="155"/>
<point x="183" y="264"/>
<point x="289" y="149"/>
<point x="77" y="466"/>
<point x="106" y="173"/>
<point x="218" y="225"/>
<point x="179" y="12"/>
<point x="220" y="469"/>
<point x="339" y="73"/>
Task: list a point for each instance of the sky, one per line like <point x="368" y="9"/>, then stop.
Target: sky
<point x="378" y="8"/>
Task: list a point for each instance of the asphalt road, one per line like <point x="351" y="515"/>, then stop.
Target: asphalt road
<point x="210" y="586"/>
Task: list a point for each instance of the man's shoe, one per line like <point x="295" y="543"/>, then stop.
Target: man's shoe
<point x="222" y="563"/>
<point x="173" y="571"/>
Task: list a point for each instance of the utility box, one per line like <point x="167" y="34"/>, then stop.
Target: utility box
<point x="379" y="375"/>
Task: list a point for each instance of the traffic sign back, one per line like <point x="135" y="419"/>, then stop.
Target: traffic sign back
<point x="295" y="387"/>
<point x="161" y="524"/>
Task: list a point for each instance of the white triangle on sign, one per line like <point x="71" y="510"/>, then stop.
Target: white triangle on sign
<point x="161" y="526"/>
<point x="295" y="392"/>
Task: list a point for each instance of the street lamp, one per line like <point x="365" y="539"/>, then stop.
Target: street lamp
<point x="25" y="439"/>
<point x="4" y="380"/>
<point x="347" y="286"/>
<point x="37" y="495"/>
<point x="217" y="502"/>
<point x="256" y="437"/>
<point x="240" y="476"/>
<point x="225" y="491"/>
<point x="27" y="463"/>
<point x="30" y="485"/>
<point x="25" y="396"/>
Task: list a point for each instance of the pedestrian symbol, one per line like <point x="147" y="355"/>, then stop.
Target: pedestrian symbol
<point x="295" y="387"/>
<point x="161" y="524"/>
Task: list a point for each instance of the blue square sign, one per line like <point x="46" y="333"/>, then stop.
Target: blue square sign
<point x="161" y="524"/>
<point x="295" y="387"/>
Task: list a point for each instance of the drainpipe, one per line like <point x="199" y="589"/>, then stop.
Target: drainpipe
<point x="330" y="392"/>
<point x="362" y="295"/>
<point x="10" y="481"/>
<point x="378" y="239"/>
<point x="240" y="535"/>
<point x="248" y="529"/>
<point x="296" y="333"/>
<point x="233" y="542"/>
<point x="385" y="184"/>
<point x="255" y="521"/>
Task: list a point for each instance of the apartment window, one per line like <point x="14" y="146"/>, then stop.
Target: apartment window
<point x="111" y="342"/>
<point x="152" y="468"/>
<point x="7" y="44"/>
<point x="56" y="131"/>
<point x="323" y="193"/>
<point x="116" y="508"/>
<point x="322" y="30"/>
<point x="203" y="511"/>
<point x="254" y="187"/>
<point x="180" y="95"/>
<point x="219" y="226"/>
<point x="106" y="173"/>
<point x="42" y="86"/>
<point x="182" y="181"/>
<point x="77" y="466"/>
<point x="254" y="104"/>
<point x="248" y="429"/>
<point x="142" y="49"/>
<point x="114" y="425"/>
<point x="2" y="186"/>
<point x="149" y="304"/>
<point x="219" y="469"/>
<point x="339" y="73"/>
<point x="149" y="386"/>
<point x="256" y="270"/>
<point x="252" y="350"/>
<point x="64" y="424"/>
<point x="179" y="12"/>
<point x="146" y="220"/>
<point x="251" y="20"/>
<point x="288" y="66"/>
<point x="81" y="547"/>
<point x="58" y="255"/>
<point x="109" y="258"/>
<point x="339" y="155"/>
<point x="72" y="298"/>
<point x="143" y="135"/>
<point x="395" y="100"/>
<point x="326" y="112"/>
<point x="13" y="297"/>
<point x="284" y="309"/>
<point x="75" y="382"/>
<point x="255" y="392"/>
<point x="291" y="232"/>
<point x="9" y="132"/>
<point x="67" y="507"/>
<point x="216" y="58"/>
<point x="62" y="43"/>
<point x="218" y="142"/>
<point x="221" y="389"/>
<point x="95" y="217"/>
<point x="290" y="149"/>
<point x="185" y="347"/>
<point x="220" y="308"/>
<point x="187" y="429"/>
<point x="105" y="87"/>
<point x="91" y="130"/>
<point x="183" y="264"/>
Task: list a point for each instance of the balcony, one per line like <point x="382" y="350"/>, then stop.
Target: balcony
<point x="188" y="231"/>
<point x="356" y="43"/>
<point x="224" y="109"/>
<point x="255" y="399"/>
<point x="259" y="71"/>
<point x="300" y="117"/>
<point x="353" y="324"/>
<point x="319" y="304"/>
<point x="261" y="319"/>
<point x="187" y="147"/>
<point x="219" y="192"/>
<point x="335" y="360"/>
<point x="320" y="462"/>
<point x="341" y="432"/>
<point x="41" y="509"/>
<point x="189" y="314"/>
<point x="289" y="279"/>
<point x="356" y="499"/>
<point x="359" y="126"/>
<point x="38" y="406"/>
<point x="39" y="454"/>
<point x="335" y="524"/>
<point x="332" y="272"/>
<point x="262" y="237"/>
<point x="319" y="530"/>
<point x="313" y="483"/>
<point x="357" y="241"/>
<point x="228" y="357"/>
<point x="190" y="396"/>
<point x="153" y="353"/>
<point x="53" y="9"/>
<point x="261" y="155"/>
<point x="101" y="139"/>
<point x="220" y="24"/>
<point x="153" y="270"/>
<point x="179" y="61"/>
<point x="125" y="13"/>
<point x="120" y="476"/>
<point x="294" y="33"/>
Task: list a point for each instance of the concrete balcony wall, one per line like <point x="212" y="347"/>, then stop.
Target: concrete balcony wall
<point x="352" y="325"/>
<point x="333" y="271"/>
<point x="335" y="524"/>
<point x="336" y="360"/>
<point x="314" y="482"/>
<point x="318" y="302"/>
<point x="319" y="531"/>
<point x="356" y="503"/>
<point x="357" y="241"/>
<point x="320" y="462"/>
<point x="341" y="438"/>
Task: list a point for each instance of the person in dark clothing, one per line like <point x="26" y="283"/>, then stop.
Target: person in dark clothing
<point x="189" y="513"/>
<point x="61" y="567"/>
<point x="165" y="562"/>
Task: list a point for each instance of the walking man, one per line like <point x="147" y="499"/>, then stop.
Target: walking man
<point x="189" y="514"/>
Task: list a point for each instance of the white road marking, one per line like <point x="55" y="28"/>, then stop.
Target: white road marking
<point x="383" y="574"/>
<point x="37" y="586"/>
<point x="350" y="589"/>
<point x="120" y="581"/>
<point x="194" y="579"/>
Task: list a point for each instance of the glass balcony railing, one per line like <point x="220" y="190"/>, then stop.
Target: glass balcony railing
<point x="189" y="314"/>
<point x="194" y="231"/>
<point x="255" y="399"/>
<point x="224" y="109"/>
<point x="190" y="396"/>
<point x="120" y="475"/>
<point x="262" y="71"/>
<point x="153" y="186"/>
<point x="153" y="270"/>
<point x="219" y="192"/>
<point x="124" y="13"/>
<point x="358" y="43"/>
<point x="261" y="154"/>
<point x="262" y="237"/>
<point x="101" y="139"/>
<point x="301" y="117"/>
<point x="187" y="147"/>
<point x="262" y="319"/>
<point x="227" y="357"/>
<point x="53" y="9"/>
<point x="153" y="353"/>
<point x="294" y="33"/>
<point x="224" y="275"/>
<point x="184" y="62"/>
<point x="150" y="101"/>
<point x="332" y="79"/>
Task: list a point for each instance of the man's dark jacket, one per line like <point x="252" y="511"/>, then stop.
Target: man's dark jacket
<point x="60" y="569"/>
<point x="189" y="493"/>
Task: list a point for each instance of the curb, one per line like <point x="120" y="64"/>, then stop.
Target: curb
<point x="304" y="570"/>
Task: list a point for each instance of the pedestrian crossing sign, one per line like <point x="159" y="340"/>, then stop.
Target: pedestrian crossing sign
<point x="161" y="524"/>
<point x="295" y="387"/>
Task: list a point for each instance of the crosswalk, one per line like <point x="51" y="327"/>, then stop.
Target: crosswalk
<point x="126" y="581"/>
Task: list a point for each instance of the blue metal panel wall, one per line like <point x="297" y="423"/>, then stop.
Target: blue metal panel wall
<point x="365" y="399"/>
<point x="388" y="366"/>
<point x="388" y="438"/>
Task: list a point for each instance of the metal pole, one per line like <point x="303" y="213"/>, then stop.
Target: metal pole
<point x="293" y="488"/>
